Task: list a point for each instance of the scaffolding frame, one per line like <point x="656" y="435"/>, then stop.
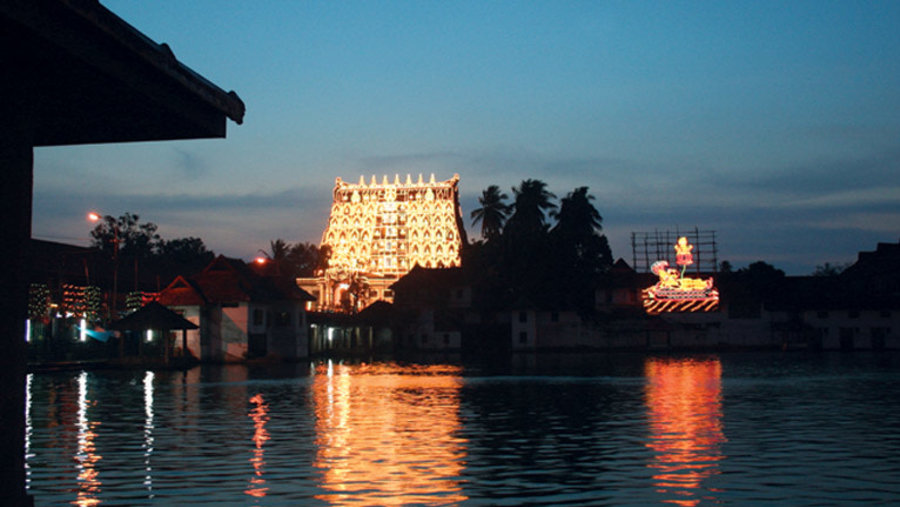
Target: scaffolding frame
<point x="649" y="247"/>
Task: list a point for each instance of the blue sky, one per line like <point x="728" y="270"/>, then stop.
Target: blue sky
<point x="776" y="124"/>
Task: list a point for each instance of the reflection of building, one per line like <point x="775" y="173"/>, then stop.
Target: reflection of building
<point x="377" y="232"/>
<point x="684" y="408"/>
<point x="388" y="434"/>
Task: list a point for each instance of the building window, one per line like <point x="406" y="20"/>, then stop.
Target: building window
<point x="879" y="337"/>
<point x="283" y="319"/>
<point x="523" y="316"/>
<point x="523" y="337"/>
<point x="846" y="336"/>
<point x="259" y="317"/>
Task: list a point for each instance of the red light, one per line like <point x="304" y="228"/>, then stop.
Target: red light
<point x="93" y="217"/>
<point x="260" y="260"/>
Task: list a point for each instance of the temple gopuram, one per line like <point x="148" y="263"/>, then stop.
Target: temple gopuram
<point x="377" y="232"/>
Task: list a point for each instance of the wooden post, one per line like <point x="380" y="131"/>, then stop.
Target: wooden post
<point x="16" y="169"/>
<point x="184" y="349"/>
<point x="166" y="347"/>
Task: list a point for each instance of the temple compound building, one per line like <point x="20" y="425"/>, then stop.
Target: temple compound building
<point x="377" y="232"/>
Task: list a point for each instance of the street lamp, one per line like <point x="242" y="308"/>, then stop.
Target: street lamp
<point x="95" y="217"/>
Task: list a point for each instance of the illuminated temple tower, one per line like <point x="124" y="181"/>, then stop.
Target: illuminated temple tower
<point x="377" y="232"/>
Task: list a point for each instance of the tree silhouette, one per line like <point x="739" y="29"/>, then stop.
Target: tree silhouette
<point x="296" y="260"/>
<point x="492" y="213"/>
<point x="580" y="254"/>
<point x="577" y="233"/>
<point x="187" y="255"/>
<point x="304" y="258"/>
<point x="126" y="236"/>
<point x="532" y="201"/>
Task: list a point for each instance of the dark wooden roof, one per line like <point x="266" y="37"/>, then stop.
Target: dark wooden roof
<point x="419" y="277"/>
<point x="227" y="281"/>
<point x="83" y="75"/>
<point x="182" y="292"/>
<point x="153" y="316"/>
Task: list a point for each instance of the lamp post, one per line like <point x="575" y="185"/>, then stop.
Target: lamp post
<point x="95" y="217"/>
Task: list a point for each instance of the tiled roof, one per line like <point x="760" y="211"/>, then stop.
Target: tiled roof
<point x="226" y="281"/>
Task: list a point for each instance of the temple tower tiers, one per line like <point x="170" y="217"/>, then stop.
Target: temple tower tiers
<point x="387" y="228"/>
<point x="380" y="230"/>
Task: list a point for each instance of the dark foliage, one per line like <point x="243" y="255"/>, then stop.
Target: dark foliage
<point x="526" y="262"/>
<point x="151" y="261"/>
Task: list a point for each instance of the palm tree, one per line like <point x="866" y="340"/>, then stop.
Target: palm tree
<point x="280" y="249"/>
<point x="492" y="213"/>
<point x="532" y="200"/>
<point x="579" y="242"/>
<point x="577" y="217"/>
<point x="279" y="256"/>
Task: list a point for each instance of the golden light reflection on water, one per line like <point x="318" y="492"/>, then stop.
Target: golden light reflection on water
<point x="88" y="476"/>
<point x="260" y="416"/>
<point x="148" y="432"/>
<point x="685" y="413"/>
<point x="387" y="434"/>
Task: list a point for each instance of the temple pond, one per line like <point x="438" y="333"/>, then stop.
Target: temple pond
<point x="595" y="429"/>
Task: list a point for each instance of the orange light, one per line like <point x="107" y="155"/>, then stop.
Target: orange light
<point x="364" y="451"/>
<point x="675" y="292"/>
<point x="93" y="216"/>
<point x="684" y="409"/>
<point x="260" y="416"/>
<point x="260" y="260"/>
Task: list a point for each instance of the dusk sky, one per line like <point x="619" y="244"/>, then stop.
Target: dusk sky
<point x="776" y="124"/>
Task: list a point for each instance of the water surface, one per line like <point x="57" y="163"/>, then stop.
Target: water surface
<point x="593" y="429"/>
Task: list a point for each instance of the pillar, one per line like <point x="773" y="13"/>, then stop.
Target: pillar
<point x="16" y="170"/>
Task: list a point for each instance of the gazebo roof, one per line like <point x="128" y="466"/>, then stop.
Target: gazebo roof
<point x="153" y="316"/>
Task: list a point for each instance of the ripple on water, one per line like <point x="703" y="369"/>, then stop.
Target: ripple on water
<point x="686" y="430"/>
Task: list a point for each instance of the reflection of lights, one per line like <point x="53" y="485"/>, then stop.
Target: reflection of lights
<point x="685" y="415"/>
<point x="330" y="333"/>
<point x="89" y="483"/>
<point x="29" y="429"/>
<point x="27" y="330"/>
<point x="260" y="417"/>
<point x="148" y="431"/>
<point x="365" y="415"/>
<point x="82" y="333"/>
<point x="149" y="335"/>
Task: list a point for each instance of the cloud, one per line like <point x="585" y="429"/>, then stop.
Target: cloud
<point x="824" y="175"/>
<point x="228" y="222"/>
<point x="189" y="165"/>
